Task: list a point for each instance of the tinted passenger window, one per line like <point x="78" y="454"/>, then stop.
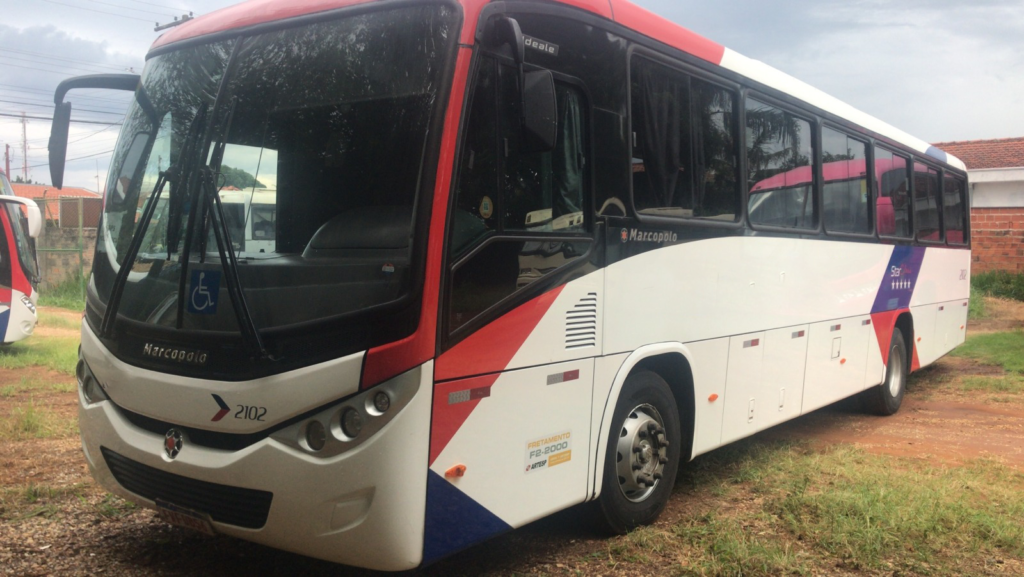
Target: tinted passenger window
<point x="684" y="145"/>
<point x="892" y="208"/>
<point x="779" y="175"/>
<point x="926" y="203"/>
<point x="504" y="190"/>
<point x="844" y="169"/>
<point x="953" y="215"/>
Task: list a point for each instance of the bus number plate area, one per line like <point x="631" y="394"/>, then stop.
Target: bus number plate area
<point x="187" y="518"/>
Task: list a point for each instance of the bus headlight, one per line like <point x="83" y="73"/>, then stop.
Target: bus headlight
<point x="344" y="425"/>
<point x="91" y="388"/>
<point x="351" y="423"/>
<point x="316" y="435"/>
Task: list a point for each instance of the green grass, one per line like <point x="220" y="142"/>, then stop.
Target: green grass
<point x="66" y="294"/>
<point x="1003" y="349"/>
<point x="57" y="353"/>
<point x="29" y="421"/>
<point x="1008" y="384"/>
<point x="775" y="508"/>
<point x="976" y="308"/>
<point x="48" y="319"/>
<point x="1000" y="284"/>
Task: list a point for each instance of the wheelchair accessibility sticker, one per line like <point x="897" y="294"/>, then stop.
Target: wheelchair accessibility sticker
<point x="205" y="288"/>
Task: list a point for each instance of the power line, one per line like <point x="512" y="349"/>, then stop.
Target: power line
<point x="158" y="5"/>
<point x="74" y="159"/>
<point x="135" y="9"/>
<point x="49" y="93"/>
<point x="51" y="119"/>
<point x="98" y="11"/>
<point x="92" y="68"/>
<point x="28" y="100"/>
<point x="51" y="106"/>
<point x="90" y="135"/>
<point x="61" y="58"/>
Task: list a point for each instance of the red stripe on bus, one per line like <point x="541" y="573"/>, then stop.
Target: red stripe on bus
<point x="19" y="281"/>
<point x="446" y="418"/>
<point x="490" y="349"/>
<point x="393" y="359"/>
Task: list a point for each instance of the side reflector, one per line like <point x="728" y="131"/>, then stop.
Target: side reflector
<point x="918" y="339"/>
<point x="712" y="398"/>
<point x="842" y="361"/>
<point x="456" y="471"/>
<point x="961" y="327"/>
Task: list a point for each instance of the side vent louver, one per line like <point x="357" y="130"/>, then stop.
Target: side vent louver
<point x="581" y="324"/>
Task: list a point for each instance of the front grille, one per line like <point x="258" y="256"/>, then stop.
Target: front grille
<point x="225" y="504"/>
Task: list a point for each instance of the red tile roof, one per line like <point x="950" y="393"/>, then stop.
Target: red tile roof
<point x="36" y="191"/>
<point x="980" y="154"/>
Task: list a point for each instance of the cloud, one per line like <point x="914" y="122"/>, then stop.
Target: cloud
<point x="939" y="69"/>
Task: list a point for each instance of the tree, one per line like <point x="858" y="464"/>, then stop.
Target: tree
<point x="239" y="178"/>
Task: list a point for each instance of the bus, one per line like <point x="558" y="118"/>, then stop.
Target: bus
<point x="526" y="256"/>
<point x="20" y="224"/>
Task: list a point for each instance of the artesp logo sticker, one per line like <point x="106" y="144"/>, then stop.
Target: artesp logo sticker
<point x="549" y="451"/>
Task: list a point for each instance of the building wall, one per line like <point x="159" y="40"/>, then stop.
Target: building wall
<point x="997" y="219"/>
<point x="58" y="254"/>
<point x="997" y="239"/>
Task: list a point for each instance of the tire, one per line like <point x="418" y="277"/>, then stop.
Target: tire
<point x="886" y="398"/>
<point x="643" y="454"/>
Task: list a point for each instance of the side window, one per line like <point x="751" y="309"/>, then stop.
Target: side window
<point x="779" y="167"/>
<point x="926" y="203"/>
<point x="953" y="214"/>
<point x="844" y="169"/>
<point x="684" y="145"/>
<point x="515" y="196"/>
<point x="892" y="206"/>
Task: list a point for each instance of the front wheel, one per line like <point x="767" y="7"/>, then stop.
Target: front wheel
<point x="886" y="398"/>
<point x="643" y="453"/>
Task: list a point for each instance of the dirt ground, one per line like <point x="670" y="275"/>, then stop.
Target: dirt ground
<point x="77" y="529"/>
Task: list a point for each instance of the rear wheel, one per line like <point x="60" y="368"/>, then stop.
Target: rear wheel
<point x="643" y="453"/>
<point x="886" y="398"/>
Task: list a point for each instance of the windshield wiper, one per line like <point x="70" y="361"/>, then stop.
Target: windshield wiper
<point x="227" y="258"/>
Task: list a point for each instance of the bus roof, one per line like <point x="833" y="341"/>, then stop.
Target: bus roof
<point x="624" y="12"/>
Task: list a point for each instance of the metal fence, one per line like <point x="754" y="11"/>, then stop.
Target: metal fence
<point x="66" y="244"/>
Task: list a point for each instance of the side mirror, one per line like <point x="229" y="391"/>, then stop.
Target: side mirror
<point x="58" y="144"/>
<point x="539" y="107"/>
<point x="540" y="112"/>
<point x="35" y="218"/>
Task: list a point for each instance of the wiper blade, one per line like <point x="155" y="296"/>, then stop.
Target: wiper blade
<point x="230" y="264"/>
<point x="107" y="326"/>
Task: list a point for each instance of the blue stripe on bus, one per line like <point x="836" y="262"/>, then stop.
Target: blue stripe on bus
<point x="5" y="318"/>
<point x="899" y="279"/>
<point x="454" y="521"/>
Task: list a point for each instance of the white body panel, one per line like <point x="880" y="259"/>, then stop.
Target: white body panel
<point x="191" y="401"/>
<point x="371" y="498"/>
<point x="21" y="321"/>
<point x="493" y="443"/>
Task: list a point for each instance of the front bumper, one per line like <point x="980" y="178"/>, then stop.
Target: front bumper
<point x="364" y="507"/>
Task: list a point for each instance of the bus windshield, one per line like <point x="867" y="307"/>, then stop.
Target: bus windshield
<point x="315" y="137"/>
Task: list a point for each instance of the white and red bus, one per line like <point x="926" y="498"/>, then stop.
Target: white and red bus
<point x="525" y="255"/>
<point x="20" y="223"/>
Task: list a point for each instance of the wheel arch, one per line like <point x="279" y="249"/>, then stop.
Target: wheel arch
<point x="672" y="362"/>
<point x="905" y="323"/>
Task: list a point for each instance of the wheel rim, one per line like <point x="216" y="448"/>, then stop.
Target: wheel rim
<point x="641" y="453"/>
<point x="895" y="371"/>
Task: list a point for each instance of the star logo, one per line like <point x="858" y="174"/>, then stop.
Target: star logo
<point x="172" y="443"/>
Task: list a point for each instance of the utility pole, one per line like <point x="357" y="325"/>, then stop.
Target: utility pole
<point x="7" y="159"/>
<point x="97" y="175"/>
<point x="24" y="148"/>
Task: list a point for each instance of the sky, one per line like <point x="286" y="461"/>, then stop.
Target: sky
<point x="941" y="70"/>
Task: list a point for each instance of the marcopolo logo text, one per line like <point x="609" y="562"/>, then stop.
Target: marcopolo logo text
<point x="174" y="354"/>
<point x="654" y="236"/>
